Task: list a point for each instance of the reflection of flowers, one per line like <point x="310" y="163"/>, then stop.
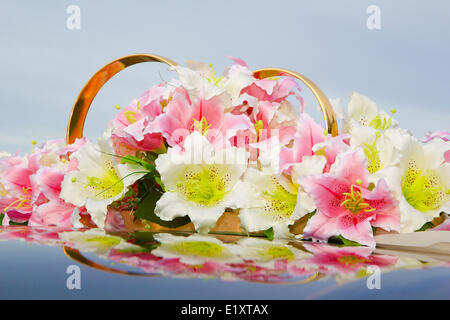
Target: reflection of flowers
<point x="45" y="236"/>
<point x="193" y="250"/>
<point x="198" y="256"/>
<point x="331" y="259"/>
<point x="95" y="240"/>
<point x="268" y="253"/>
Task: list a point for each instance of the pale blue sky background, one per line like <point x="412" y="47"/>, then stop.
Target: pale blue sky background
<point x="44" y="65"/>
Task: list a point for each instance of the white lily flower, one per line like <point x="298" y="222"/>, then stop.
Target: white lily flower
<point x="271" y="203"/>
<point x="194" y="250"/>
<point x="310" y="165"/>
<point x="277" y="201"/>
<point x="100" y="179"/>
<point x="421" y="182"/>
<point x="365" y="112"/>
<point x="96" y="241"/>
<point x="201" y="182"/>
<point x="201" y="77"/>
<point x="236" y="78"/>
<point x="381" y="147"/>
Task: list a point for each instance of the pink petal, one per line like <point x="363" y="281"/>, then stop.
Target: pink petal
<point x="352" y="167"/>
<point x="17" y="216"/>
<point x="387" y="210"/>
<point x="238" y="61"/>
<point x="53" y="213"/>
<point x="354" y="230"/>
<point x="211" y="110"/>
<point x="49" y="181"/>
<point x="327" y="192"/>
<point x="320" y="227"/>
<point x="447" y="156"/>
<point x="308" y="134"/>
<point x="266" y="85"/>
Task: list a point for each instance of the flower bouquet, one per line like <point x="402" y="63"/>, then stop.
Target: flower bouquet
<point x="233" y="153"/>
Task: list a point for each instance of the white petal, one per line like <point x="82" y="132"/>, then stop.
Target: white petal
<point x="310" y="165"/>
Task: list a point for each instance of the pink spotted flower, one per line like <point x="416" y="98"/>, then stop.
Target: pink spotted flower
<point x="347" y="204"/>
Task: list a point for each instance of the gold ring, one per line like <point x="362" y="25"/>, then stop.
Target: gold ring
<point x="325" y="105"/>
<point x="93" y="86"/>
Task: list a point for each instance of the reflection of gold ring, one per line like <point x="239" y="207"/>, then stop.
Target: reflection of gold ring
<point x="93" y="86"/>
<point x="74" y="254"/>
<point x="314" y="277"/>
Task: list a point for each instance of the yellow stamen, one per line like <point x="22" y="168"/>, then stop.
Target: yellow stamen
<point x="354" y="202"/>
<point x="130" y="115"/>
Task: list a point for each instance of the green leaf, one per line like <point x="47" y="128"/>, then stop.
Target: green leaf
<point x="139" y="161"/>
<point x="311" y="214"/>
<point x="12" y="223"/>
<point x="146" y="210"/>
<point x="345" y="242"/>
<point x="269" y="233"/>
<point x="1" y="218"/>
<point x="426" y="226"/>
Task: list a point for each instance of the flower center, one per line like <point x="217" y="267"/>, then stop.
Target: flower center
<point x="105" y="241"/>
<point x="130" y="115"/>
<point x="351" y="260"/>
<point x="201" y="126"/>
<point x="423" y="190"/>
<point x="373" y="157"/>
<point x="206" y="186"/>
<point x="278" y="253"/>
<point x="280" y="201"/>
<point x="199" y="248"/>
<point x="165" y="102"/>
<point x="107" y="186"/>
<point x="354" y="201"/>
<point x="22" y="202"/>
<point x="214" y="79"/>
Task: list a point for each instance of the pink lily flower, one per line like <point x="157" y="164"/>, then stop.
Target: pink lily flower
<point x="308" y="134"/>
<point x="17" y="203"/>
<point x="444" y="135"/>
<point x="347" y="204"/>
<point x="54" y="211"/>
<point x="270" y="90"/>
<point x="32" y="185"/>
<point x="129" y="125"/>
<point x="183" y="116"/>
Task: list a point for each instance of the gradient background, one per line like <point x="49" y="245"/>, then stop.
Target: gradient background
<point x="44" y="65"/>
